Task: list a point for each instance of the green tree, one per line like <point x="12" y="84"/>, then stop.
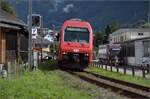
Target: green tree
<point x="146" y="25"/>
<point x="98" y="39"/>
<point x="114" y="26"/>
<point x="4" y="5"/>
<point x="103" y="36"/>
<point x="110" y="29"/>
<point x="106" y="34"/>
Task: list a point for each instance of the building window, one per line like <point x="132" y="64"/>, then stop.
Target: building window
<point x="131" y="50"/>
<point x="124" y="37"/>
<point x="146" y="45"/>
<point x="128" y="50"/>
<point x="117" y="39"/>
<point x="121" y="38"/>
<point x="140" y="34"/>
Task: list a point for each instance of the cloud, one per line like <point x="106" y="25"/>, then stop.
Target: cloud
<point x="55" y="5"/>
<point x="67" y="8"/>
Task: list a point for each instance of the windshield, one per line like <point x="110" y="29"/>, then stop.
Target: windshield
<point x="74" y="34"/>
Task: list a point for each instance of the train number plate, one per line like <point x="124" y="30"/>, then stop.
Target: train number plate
<point x="75" y="50"/>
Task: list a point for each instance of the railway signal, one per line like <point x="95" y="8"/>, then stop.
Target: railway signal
<point x="36" y="20"/>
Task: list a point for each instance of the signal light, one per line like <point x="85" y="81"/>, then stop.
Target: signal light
<point x="36" y="21"/>
<point x="64" y="53"/>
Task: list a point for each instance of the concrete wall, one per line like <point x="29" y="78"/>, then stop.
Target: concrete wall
<point x="138" y="52"/>
<point x="131" y="60"/>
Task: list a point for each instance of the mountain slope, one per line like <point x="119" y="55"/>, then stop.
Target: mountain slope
<point x="99" y="13"/>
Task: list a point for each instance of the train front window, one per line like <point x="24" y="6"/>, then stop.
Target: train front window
<point x="76" y="34"/>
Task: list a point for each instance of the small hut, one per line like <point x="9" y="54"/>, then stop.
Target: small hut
<point x="13" y="39"/>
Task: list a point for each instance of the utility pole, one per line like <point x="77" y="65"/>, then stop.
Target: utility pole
<point x="30" y="36"/>
<point x="53" y="40"/>
<point x="41" y="34"/>
<point x="148" y="11"/>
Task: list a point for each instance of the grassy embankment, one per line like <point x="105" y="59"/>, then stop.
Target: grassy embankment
<point x="128" y="78"/>
<point x="45" y="83"/>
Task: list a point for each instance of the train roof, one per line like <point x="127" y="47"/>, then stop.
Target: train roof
<point x="77" y="23"/>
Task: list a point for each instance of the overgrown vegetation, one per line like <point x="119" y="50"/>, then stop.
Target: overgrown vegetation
<point x="4" y="5"/>
<point x="128" y="78"/>
<point x="41" y="85"/>
<point x="37" y="85"/>
<point x="146" y="25"/>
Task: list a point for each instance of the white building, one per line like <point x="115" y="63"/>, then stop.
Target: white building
<point x="135" y="45"/>
<point x="127" y="34"/>
<point x="49" y="37"/>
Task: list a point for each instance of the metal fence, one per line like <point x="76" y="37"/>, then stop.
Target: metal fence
<point x="11" y="55"/>
<point x="15" y="65"/>
<point x="133" y="69"/>
<point x="12" y="70"/>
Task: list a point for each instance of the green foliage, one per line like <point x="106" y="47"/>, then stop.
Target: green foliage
<point x="110" y="29"/>
<point x="106" y="34"/>
<point x="114" y="26"/>
<point x="128" y="78"/>
<point x="39" y="85"/>
<point x="7" y="7"/>
<point x="98" y="39"/>
<point x="47" y="65"/>
<point x="46" y="83"/>
<point x="103" y="36"/>
<point x="146" y="25"/>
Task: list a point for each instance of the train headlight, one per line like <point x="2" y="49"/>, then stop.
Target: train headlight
<point x="64" y="53"/>
<point x="86" y="54"/>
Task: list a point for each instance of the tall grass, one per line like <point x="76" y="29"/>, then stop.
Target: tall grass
<point x="40" y="85"/>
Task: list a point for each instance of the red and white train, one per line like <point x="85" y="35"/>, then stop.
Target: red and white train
<point x="75" y="44"/>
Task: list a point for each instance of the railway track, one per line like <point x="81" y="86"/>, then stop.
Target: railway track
<point x="123" y="87"/>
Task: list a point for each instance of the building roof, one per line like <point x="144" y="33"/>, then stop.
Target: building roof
<point x="8" y="20"/>
<point x="131" y="30"/>
<point x="132" y="40"/>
